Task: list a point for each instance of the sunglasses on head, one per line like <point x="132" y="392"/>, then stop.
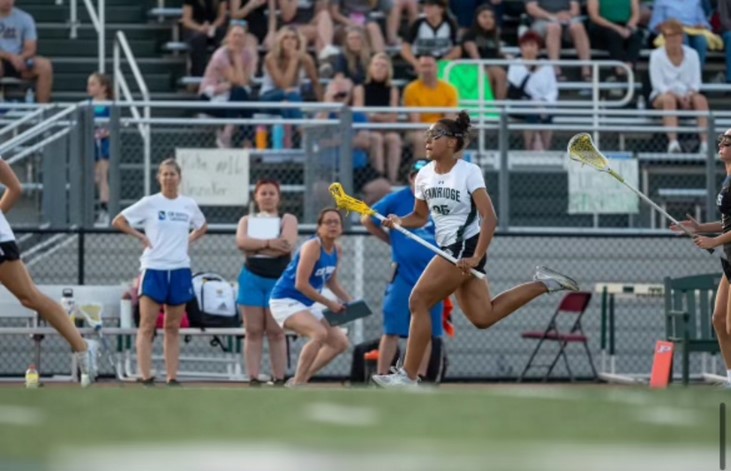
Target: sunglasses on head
<point x="241" y="23"/>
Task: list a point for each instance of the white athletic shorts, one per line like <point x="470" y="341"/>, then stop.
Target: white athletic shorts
<point x="284" y="308"/>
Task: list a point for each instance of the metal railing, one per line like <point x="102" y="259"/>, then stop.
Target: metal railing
<point x="120" y="84"/>
<point x="98" y="21"/>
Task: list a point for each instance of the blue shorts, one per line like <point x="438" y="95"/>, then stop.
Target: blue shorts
<point x="101" y="149"/>
<point x="170" y="287"/>
<point x="396" y="315"/>
<point x="254" y="290"/>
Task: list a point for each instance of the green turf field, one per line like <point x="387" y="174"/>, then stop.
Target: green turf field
<point x="531" y="427"/>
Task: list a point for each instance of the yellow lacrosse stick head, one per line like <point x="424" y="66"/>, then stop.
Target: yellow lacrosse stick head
<point x="348" y="203"/>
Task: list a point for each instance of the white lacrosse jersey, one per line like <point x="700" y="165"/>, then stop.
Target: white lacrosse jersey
<point x="6" y="233"/>
<point x="449" y="197"/>
<point x="167" y="224"/>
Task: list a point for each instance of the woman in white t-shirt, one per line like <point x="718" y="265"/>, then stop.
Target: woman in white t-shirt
<point x="15" y="278"/>
<point x="166" y="279"/>
<point x="453" y="192"/>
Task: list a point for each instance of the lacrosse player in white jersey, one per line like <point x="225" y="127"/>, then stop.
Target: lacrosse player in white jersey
<point x="453" y="191"/>
<point x="15" y="277"/>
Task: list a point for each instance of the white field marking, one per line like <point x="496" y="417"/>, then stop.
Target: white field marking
<point x="336" y="414"/>
<point x="668" y="416"/>
<point x="20" y="415"/>
<point x="427" y="456"/>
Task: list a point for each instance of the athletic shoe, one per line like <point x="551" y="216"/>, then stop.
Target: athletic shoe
<point x="254" y="383"/>
<point x="554" y="280"/>
<point x="148" y="383"/>
<point x="703" y="148"/>
<point x="289" y="384"/>
<point x="85" y="362"/>
<point x="174" y="383"/>
<point x="102" y="219"/>
<point x="674" y="147"/>
<point x="398" y="379"/>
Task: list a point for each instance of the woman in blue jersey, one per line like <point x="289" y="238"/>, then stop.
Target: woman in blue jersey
<point x="268" y="240"/>
<point x="453" y="192"/>
<point x="299" y="288"/>
<point x="168" y="218"/>
<point x="409" y="261"/>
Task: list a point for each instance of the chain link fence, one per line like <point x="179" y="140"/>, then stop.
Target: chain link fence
<point x="102" y="257"/>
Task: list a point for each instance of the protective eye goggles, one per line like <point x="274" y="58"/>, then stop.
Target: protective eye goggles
<point x="724" y="140"/>
<point x="436" y="134"/>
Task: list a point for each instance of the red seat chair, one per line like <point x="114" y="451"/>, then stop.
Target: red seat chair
<point x="575" y="304"/>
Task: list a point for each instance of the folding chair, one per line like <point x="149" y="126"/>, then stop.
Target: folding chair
<point x="574" y="304"/>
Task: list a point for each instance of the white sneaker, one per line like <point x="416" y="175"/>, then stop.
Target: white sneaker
<point x="703" y="148"/>
<point x="87" y="363"/>
<point x="674" y="147"/>
<point x="560" y="281"/>
<point x="396" y="380"/>
<point x="102" y="220"/>
<point x="328" y="51"/>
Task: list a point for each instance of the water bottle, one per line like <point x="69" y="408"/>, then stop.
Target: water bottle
<point x="278" y="136"/>
<point x="30" y="96"/>
<point x="641" y="103"/>
<point x="67" y="301"/>
<point x="32" y="379"/>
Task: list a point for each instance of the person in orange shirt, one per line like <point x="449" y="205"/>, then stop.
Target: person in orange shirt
<point x="427" y="91"/>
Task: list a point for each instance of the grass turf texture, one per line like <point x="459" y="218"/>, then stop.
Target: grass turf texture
<point x="466" y="421"/>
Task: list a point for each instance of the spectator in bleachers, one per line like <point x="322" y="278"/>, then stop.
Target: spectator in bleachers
<point x="536" y="83"/>
<point x="378" y="90"/>
<point x="18" y="48"/>
<point x="395" y="9"/>
<point x="168" y="218"/>
<point x="434" y="34"/>
<point x="355" y="13"/>
<point x="614" y="27"/>
<point x="557" y="21"/>
<point x="352" y="62"/>
<point x="482" y="41"/>
<point x="267" y="255"/>
<point x="261" y="20"/>
<point x="99" y="89"/>
<point x="367" y="146"/>
<point x="203" y="25"/>
<point x="284" y="67"/>
<point x="311" y="18"/>
<point x="465" y="11"/>
<point x="315" y="266"/>
<point x="675" y="75"/>
<point x="691" y="15"/>
<point x="427" y="91"/>
<point x="228" y="79"/>
<point x="724" y="16"/>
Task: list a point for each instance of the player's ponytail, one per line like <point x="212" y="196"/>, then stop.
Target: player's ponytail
<point x="458" y="128"/>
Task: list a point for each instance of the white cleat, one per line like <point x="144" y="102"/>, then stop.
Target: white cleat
<point x="554" y="280"/>
<point x="396" y="380"/>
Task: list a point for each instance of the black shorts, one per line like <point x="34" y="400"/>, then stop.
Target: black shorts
<point x="466" y="249"/>
<point x="9" y="69"/>
<point x="726" y="268"/>
<point x="9" y="251"/>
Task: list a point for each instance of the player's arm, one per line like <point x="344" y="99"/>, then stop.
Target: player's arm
<point x="121" y="223"/>
<point x="13" y="189"/>
<point x="418" y="217"/>
<point x="334" y="282"/>
<point x="489" y="221"/>
<point x="198" y="233"/>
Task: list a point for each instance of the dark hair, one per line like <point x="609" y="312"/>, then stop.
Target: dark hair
<point x="267" y="181"/>
<point x="328" y="210"/>
<point x="105" y="82"/>
<point x="458" y="128"/>
<point x="478" y="31"/>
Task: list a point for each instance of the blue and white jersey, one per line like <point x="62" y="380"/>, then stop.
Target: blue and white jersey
<point x="322" y="273"/>
<point x="410" y="257"/>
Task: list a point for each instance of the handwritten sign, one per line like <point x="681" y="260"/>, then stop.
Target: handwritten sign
<point x="215" y="177"/>
<point x="594" y="192"/>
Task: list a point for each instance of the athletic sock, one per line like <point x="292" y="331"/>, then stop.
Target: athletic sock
<point x="551" y="284"/>
<point x="728" y="375"/>
<point x="103" y="206"/>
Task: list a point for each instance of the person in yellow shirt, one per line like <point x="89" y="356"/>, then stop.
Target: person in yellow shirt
<point x="427" y="91"/>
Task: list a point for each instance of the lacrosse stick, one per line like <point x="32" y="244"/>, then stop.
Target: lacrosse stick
<point x="92" y="313"/>
<point x="348" y="203"/>
<point x="582" y="149"/>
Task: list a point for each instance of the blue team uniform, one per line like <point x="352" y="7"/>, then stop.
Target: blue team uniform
<point x="321" y="274"/>
<point x="411" y="260"/>
<point x="101" y="144"/>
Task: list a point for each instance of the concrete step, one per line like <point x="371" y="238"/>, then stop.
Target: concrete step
<point x="88" y="47"/>
<point x="54" y="13"/>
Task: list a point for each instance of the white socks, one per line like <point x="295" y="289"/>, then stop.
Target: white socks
<point x="728" y="375"/>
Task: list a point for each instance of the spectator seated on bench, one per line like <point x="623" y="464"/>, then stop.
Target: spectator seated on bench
<point x="203" y="25"/>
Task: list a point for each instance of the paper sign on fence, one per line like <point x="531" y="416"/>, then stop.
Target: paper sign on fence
<point x="215" y="177"/>
<point x="594" y="192"/>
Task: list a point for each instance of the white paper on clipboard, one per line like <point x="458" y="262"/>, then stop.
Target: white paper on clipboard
<point x="263" y="228"/>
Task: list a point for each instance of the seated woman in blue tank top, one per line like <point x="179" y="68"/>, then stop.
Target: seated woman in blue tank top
<point x="294" y="296"/>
